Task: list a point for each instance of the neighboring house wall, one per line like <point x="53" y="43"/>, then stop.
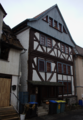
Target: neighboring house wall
<point x="24" y="40"/>
<point x="11" y="67"/>
<point x="79" y="76"/>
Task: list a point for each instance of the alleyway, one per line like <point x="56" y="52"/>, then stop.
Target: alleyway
<point x="71" y="115"/>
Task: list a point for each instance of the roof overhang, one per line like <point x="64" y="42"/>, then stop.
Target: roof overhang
<point x="44" y="83"/>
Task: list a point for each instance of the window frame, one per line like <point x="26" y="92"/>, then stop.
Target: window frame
<point x="66" y="49"/>
<point x="50" y="20"/>
<point x="60" y="81"/>
<point x="44" y="40"/>
<point x="61" y="48"/>
<point x="46" y="66"/>
<point x="50" y="40"/>
<point x="46" y="18"/>
<point x="39" y="66"/>
<point x="61" y="67"/>
<point x="59" y="27"/>
<point x="55" y="24"/>
<point x="70" y="69"/>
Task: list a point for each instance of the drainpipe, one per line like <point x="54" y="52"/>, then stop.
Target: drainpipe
<point x="19" y="75"/>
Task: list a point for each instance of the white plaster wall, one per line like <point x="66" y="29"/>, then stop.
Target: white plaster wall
<point x="53" y="78"/>
<point x="39" y="49"/>
<point x="12" y="65"/>
<point x="24" y="40"/>
<point x="35" y="76"/>
<point x="35" y="45"/>
<point x="14" y="101"/>
<point x="59" y="53"/>
<point x="54" y="42"/>
<point x="69" y="78"/>
<point x="37" y="35"/>
<point x="48" y="49"/>
<point x="72" y="86"/>
<point x="53" y="66"/>
<point x="64" y="77"/>
<point x="55" y="50"/>
<point x="59" y="77"/>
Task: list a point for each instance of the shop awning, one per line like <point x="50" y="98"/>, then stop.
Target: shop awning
<point x="44" y="83"/>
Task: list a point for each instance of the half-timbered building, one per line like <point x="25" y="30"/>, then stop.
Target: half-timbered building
<point x="47" y="66"/>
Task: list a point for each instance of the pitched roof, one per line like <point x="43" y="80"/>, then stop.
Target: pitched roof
<point x="8" y="37"/>
<point x="3" y="10"/>
<point x="40" y="16"/>
<point x="80" y="50"/>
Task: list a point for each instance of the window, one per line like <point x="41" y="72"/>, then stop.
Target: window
<point x="50" y="21"/>
<point x="67" y="49"/>
<point x="55" y="24"/>
<point x="66" y="89"/>
<point x="48" y="67"/>
<point x="41" y="65"/>
<point x="59" y="27"/>
<point x="62" y="48"/>
<point x="59" y="67"/>
<point x="45" y="18"/>
<point x="64" y="68"/>
<point x="68" y="68"/>
<point x="44" y="65"/>
<point x="49" y="42"/>
<point x="64" y="30"/>
<point x="42" y="40"/>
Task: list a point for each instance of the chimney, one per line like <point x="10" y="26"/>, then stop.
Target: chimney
<point x="2" y="15"/>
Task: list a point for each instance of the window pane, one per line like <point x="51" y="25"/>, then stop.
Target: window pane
<point x="67" y="49"/>
<point x="64" y="69"/>
<point x="48" y="67"/>
<point x="50" y="21"/>
<point x="59" y="67"/>
<point x="42" y="40"/>
<point x="41" y="65"/>
<point x="55" y="24"/>
<point x="62" y="48"/>
<point x="60" y="27"/>
<point x="68" y="69"/>
<point x="49" y="42"/>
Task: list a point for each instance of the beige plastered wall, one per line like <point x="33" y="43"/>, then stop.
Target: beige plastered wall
<point x="79" y="76"/>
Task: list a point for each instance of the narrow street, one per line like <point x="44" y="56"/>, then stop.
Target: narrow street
<point x="70" y="115"/>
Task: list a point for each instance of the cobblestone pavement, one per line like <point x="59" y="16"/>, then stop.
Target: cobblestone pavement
<point x="70" y="115"/>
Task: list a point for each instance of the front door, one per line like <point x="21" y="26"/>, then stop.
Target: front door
<point x="4" y="92"/>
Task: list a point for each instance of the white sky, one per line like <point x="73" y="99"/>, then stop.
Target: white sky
<point x="72" y="11"/>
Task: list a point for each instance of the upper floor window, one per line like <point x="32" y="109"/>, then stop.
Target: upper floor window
<point x="69" y="72"/>
<point x="62" y="48"/>
<point x="59" y="67"/>
<point x="44" y="65"/>
<point x="49" y="42"/>
<point x="45" y="18"/>
<point x="59" y="27"/>
<point x="63" y="68"/>
<point x="55" y="24"/>
<point x="48" y="66"/>
<point x="50" y="21"/>
<point x="67" y="49"/>
<point x="42" y="40"/>
<point x="41" y="65"/>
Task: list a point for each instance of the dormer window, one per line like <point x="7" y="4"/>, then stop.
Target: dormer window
<point x="50" y="21"/>
<point x="45" y="18"/>
<point x="55" y="24"/>
<point x="49" y="42"/>
<point x="64" y="30"/>
<point x="59" y="27"/>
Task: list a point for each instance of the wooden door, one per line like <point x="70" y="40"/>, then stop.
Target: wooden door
<point x="4" y="92"/>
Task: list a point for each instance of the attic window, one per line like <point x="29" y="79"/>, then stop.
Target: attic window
<point x="45" y="18"/>
<point x="42" y="40"/>
<point x="55" y="24"/>
<point x="59" y="27"/>
<point x="50" y="21"/>
<point x="64" y="30"/>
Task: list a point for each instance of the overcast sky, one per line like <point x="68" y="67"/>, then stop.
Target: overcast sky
<point x="72" y="11"/>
